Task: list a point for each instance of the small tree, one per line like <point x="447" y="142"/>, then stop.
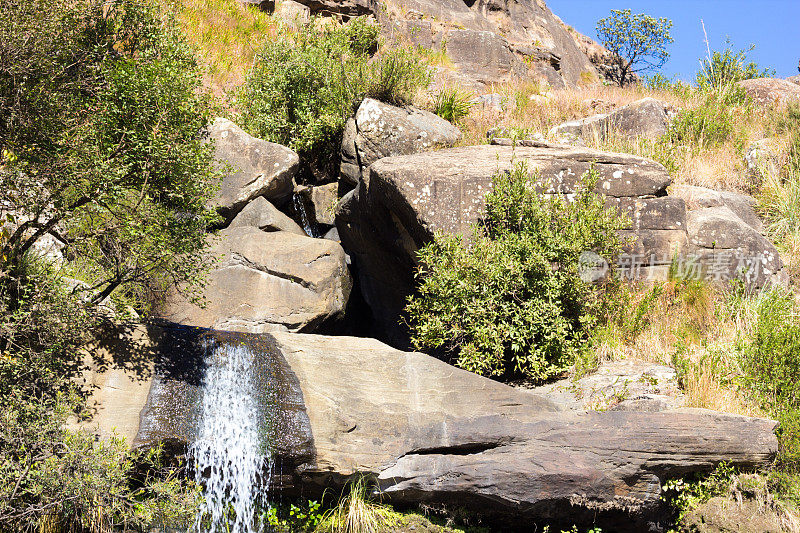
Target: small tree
<point x="637" y="40"/>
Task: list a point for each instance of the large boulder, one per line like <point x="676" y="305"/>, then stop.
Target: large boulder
<point x="261" y="214"/>
<point x="266" y="281"/>
<point x="646" y="118"/>
<point x="727" y="238"/>
<point x="404" y="200"/>
<point x="253" y="168"/>
<point x="380" y="130"/>
<point x="434" y="434"/>
<point x="771" y="91"/>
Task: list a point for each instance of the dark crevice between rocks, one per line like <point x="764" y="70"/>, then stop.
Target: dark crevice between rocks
<point x="471" y="448"/>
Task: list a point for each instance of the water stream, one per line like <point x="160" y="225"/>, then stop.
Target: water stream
<point x="231" y="458"/>
<point x="300" y="209"/>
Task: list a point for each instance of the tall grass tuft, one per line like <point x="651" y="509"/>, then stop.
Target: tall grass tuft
<point x="452" y="104"/>
<point x="356" y="513"/>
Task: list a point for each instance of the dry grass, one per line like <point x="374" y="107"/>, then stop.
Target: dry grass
<point x="227" y="35"/>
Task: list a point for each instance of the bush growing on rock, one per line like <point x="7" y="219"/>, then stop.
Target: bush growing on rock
<point x="512" y="301"/>
<point x="303" y="87"/>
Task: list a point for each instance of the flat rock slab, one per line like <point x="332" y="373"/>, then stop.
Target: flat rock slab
<point x="618" y="385"/>
<point x="266" y="281"/>
<point x="644" y="118"/>
<point x="434" y="434"/>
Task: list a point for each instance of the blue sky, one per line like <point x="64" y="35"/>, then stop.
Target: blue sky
<point x="772" y="25"/>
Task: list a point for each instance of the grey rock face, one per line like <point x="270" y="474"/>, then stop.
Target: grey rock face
<point x="727" y="237"/>
<point x="404" y="200"/>
<point x="644" y="118"/>
<point x="618" y="385"/>
<point x="257" y="168"/>
<point x="762" y="160"/>
<point x="268" y="281"/>
<point x="263" y="215"/>
<point x="380" y="130"/>
<point x="771" y="91"/>
<point x="320" y="202"/>
<point x="431" y="433"/>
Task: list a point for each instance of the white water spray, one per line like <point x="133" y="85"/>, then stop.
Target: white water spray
<point x="230" y="458"/>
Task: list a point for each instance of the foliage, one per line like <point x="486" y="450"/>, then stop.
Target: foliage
<point x="101" y="111"/>
<point x="355" y="513"/>
<point x="638" y="40"/>
<point x="685" y="495"/>
<point x="294" y="517"/>
<point x="715" y="121"/>
<point x="452" y="104"/>
<point x="727" y="67"/>
<point x="305" y="85"/>
<point x="512" y="301"/>
<point x="771" y="369"/>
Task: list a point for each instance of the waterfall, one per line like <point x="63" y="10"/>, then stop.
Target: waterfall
<point x="300" y="209"/>
<point x="231" y="459"/>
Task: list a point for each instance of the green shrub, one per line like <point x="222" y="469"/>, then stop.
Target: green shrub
<point x="716" y="121"/>
<point x="304" y="86"/>
<point x="727" y="67"/>
<point x="771" y="368"/>
<point x="511" y="301"/>
<point x="452" y="104"/>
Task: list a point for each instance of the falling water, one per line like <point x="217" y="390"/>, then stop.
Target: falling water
<point x="300" y="209"/>
<point x="230" y="458"/>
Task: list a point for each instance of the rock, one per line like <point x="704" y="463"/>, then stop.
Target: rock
<point x="332" y="235"/>
<point x="347" y="8"/>
<point x="794" y="79"/>
<point x="259" y="168"/>
<point x="293" y="12"/>
<point x="433" y="434"/>
<point x="404" y="200"/>
<point x="770" y="91"/>
<point x="380" y="130"/>
<point x="644" y="118"/>
<point x="265" y="281"/>
<point x="483" y="56"/>
<point x="490" y="102"/>
<point x="724" y="515"/>
<point x="763" y="161"/>
<point x="263" y="215"/>
<point x="320" y="202"/>
<point x="50" y="247"/>
<point x="727" y="239"/>
<point x="618" y="385"/>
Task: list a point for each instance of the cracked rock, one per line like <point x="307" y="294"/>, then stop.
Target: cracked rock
<point x="268" y="282"/>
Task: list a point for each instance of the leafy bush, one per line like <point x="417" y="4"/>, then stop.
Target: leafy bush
<point x="452" y="104"/>
<point x="511" y="300"/>
<point x="304" y="86"/>
<point x="727" y="67"/>
<point x="771" y="369"/>
<point x="716" y="121"/>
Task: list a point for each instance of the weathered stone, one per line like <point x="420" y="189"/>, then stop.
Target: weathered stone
<point x="482" y="55"/>
<point x="259" y="168"/>
<point x="263" y="215"/>
<point x="380" y="130"/>
<point x="771" y="91"/>
<point x="292" y="11"/>
<point x="405" y="199"/>
<point x="763" y="161"/>
<point x="434" y="434"/>
<point x="619" y="385"/>
<point x="644" y="118"/>
<point x="794" y="79"/>
<point x="347" y="8"/>
<point x="727" y="239"/>
<point x="268" y="281"/>
<point x="320" y="202"/>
